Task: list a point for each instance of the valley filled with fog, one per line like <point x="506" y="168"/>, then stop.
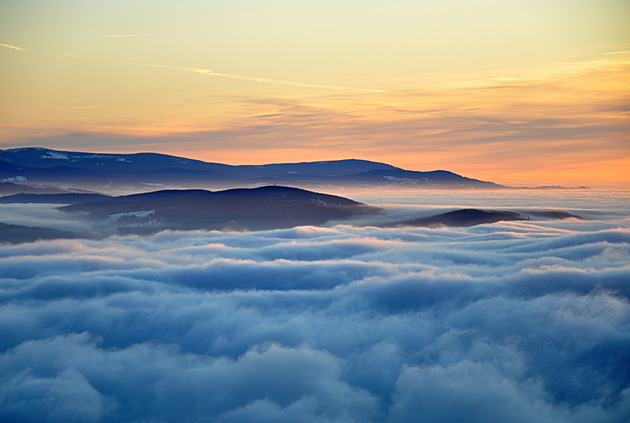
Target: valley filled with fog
<point x="519" y="321"/>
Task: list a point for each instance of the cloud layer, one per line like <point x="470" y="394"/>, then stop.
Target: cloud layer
<point x="519" y="321"/>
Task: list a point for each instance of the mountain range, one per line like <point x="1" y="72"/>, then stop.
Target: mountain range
<point x="82" y="184"/>
<point x="45" y="169"/>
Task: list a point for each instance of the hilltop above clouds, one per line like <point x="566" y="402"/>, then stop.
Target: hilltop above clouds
<point x="242" y="209"/>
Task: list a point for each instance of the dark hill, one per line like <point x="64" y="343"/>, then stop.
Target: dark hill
<point x="267" y="207"/>
<point x="15" y="234"/>
<point x="464" y="217"/>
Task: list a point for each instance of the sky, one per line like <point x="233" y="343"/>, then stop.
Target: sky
<point x="522" y="321"/>
<point x="515" y="92"/>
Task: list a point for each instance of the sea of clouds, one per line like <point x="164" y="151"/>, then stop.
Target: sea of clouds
<point x="525" y="321"/>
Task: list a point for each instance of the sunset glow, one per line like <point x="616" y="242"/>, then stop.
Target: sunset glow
<point x="509" y="91"/>
<point x="331" y="211"/>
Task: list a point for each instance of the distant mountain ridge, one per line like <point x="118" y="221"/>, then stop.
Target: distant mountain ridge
<point x="38" y="166"/>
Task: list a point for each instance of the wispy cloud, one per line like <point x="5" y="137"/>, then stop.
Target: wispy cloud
<point x="126" y="35"/>
<point x="208" y="72"/>
<point x="13" y="47"/>
<point x="614" y="53"/>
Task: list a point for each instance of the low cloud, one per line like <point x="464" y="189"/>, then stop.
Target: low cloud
<point x="516" y="321"/>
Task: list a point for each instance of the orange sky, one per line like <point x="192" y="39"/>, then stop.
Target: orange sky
<point x="509" y="91"/>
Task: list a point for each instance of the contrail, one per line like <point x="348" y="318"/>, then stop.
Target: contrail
<point x="611" y="53"/>
<point x="208" y="72"/>
<point x="13" y="47"/>
<point x="126" y="35"/>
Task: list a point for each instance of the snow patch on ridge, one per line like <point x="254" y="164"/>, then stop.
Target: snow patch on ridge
<point x="15" y="179"/>
<point x="55" y="155"/>
<point x="142" y="213"/>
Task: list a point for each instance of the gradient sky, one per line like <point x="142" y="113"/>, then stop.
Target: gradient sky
<point x="503" y="90"/>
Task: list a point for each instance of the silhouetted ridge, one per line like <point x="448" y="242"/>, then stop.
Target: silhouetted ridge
<point x="95" y="170"/>
<point x="61" y="198"/>
<point x="464" y="217"/>
<point x="14" y="234"/>
<point x="247" y="208"/>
